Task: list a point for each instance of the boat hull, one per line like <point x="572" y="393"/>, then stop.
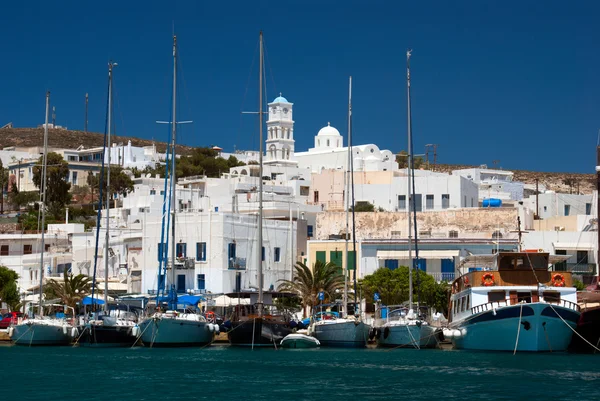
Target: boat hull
<point x="299" y="341"/>
<point x="257" y="332"/>
<point x="347" y="334"/>
<point x="541" y="329"/>
<point x="41" y="334"/>
<point x="172" y="332"/>
<point x="588" y="327"/>
<point x="106" y="336"/>
<point x="407" y="336"/>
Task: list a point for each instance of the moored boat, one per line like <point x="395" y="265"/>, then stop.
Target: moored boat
<point x="399" y="327"/>
<point x="43" y="331"/>
<point x="296" y="340"/>
<point x="333" y="330"/>
<point x="516" y="305"/>
<point x="174" y="329"/>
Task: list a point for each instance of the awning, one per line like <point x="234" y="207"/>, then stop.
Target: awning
<point x="189" y="299"/>
<point x="88" y="301"/>
<point x="573" y="245"/>
<point x="425" y="254"/>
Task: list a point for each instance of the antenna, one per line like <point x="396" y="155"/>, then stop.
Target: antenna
<point x="53" y="116"/>
<point x="86" y="113"/>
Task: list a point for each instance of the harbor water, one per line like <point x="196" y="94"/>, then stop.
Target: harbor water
<point x="223" y="372"/>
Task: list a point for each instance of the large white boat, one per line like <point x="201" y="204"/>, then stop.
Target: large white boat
<point x="515" y="304"/>
<point x="174" y="329"/>
<point x="43" y="331"/>
<point x="399" y="327"/>
<point x="333" y="330"/>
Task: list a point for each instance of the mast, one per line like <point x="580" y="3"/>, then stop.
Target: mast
<point x="412" y="175"/>
<point x="347" y="195"/>
<point x="352" y="187"/>
<point x="43" y="205"/>
<point x="598" y="207"/>
<point x="108" y="191"/>
<point x="260" y="182"/>
<point x="409" y="171"/>
<point x="173" y="175"/>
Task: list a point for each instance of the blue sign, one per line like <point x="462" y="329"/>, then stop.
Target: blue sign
<point x="321" y="296"/>
<point x="376" y="297"/>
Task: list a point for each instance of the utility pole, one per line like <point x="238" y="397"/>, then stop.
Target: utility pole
<point x="53" y="116"/>
<point x="495" y="163"/>
<point x="537" y="200"/>
<point x="86" y="113"/>
<point x="434" y="147"/>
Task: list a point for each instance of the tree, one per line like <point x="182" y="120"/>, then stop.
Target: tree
<point x="57" y="186"/>
<point x="93" y="181"/>
<point x="393" y="287"/>
<point x="70" y="291"/>
<point x="18" y="199"/>
<point x="120" y="182"/>
<point x="9" y="291"/>
<point x="307" y="283"/>
<point x="402" y="160"/>
<point x="3" y="185"/>
<point x="361" y="206"/>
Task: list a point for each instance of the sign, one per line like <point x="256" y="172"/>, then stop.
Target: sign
<point x="321" y="296"/>
<point x="376" y="297"/>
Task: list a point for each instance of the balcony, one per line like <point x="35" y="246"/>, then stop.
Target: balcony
<point x="237" y="263"/>
<point x="443" y="276"/>
<point x="581" y="267"/>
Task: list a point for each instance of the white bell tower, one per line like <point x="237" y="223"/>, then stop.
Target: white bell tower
<point x="280" y="133"/>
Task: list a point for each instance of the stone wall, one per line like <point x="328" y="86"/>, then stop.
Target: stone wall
<point x="475" y="223"/>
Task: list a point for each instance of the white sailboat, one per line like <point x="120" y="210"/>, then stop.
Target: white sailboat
<point x="173" y="328"/>
<point x="41" y="330"/>
<point x="347" y="329"/>
<point x="397" y="325"/>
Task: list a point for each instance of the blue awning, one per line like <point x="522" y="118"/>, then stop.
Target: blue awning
<point x="189" y="299"/>
<point x="88" y="301"/>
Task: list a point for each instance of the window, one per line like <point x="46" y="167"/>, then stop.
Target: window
<point x="160" y="251"/>
<point x="445" y="201"/>
<point x="277" y="254"/>
<point x="153" y="192"/>
<point x="231" y="251"/>
<point x="496" y="234"/>
<point x="582" y="257"/>
<point x="201" y="281"/>
<point x="181" y="250"/>
<point x="391" y="264"/>
<point x="465" y="201"/>
<point x="263" y="254"/>
<point x="402" y="202"/>
<point x="4" y="250"/>
<point x="328" y="142"/>
<point x="418" y="202"/>
<point x="321" y="256"/>
<point x="472" y="202"/>
<point x="453" y="234"/>
<point x="201" y="251"/>
<point x="27" y="249"/>
<point x="74" y="180"/>
<point x="552" y="297"/>
<point x="309" y="231"/>
<point x="316" y="196"/>
<point x="304" y="191"/>
<point x="588" y="208"/>
<point x="335" y="257"/>
<point x="429" y="202"/>
<point x="496" y="296"/>
<point x="567" y="210"/>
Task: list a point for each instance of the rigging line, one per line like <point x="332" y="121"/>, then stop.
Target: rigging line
<point x="518" y="329"/>
<point x="270" y="69"/>
<point x="116" y="96"/>
<point x="100" y="199"/>
<point x="246" y="93"/>
<point x="185" y="92"/>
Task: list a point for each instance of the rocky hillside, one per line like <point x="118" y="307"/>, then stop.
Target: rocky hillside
<point x="60" y="138"/>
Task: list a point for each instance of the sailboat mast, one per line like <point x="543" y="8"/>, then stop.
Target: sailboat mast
<point x="352" y="188"/>
<point x="173" y="172"/>
<point x="260" y="182"/>
<point x="108" y="191"/>
<point x="347" y="195"/>
<point x="43" y="205"/>
<point x="409" y="171"/>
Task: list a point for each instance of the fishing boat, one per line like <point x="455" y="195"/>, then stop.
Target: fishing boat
<point x="346" y="328"/>
<point x="400" y="326"/>
<point x="514" y="304"/>
<point x="296" y="340"/>
<point x="259" y="323"/>
<point x="180" y="324"/>
<point x="43" y="330"/>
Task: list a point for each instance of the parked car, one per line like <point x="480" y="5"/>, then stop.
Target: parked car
<point x="9" y="318"/>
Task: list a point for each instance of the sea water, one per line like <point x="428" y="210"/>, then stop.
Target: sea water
<point x="226" y="373"/>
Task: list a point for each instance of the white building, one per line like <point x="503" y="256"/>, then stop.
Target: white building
<point x="493" y="184"/>
<point x="552" y="204"/>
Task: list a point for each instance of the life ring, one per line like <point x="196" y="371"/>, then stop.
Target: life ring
<point x="487" y="280"/>
<point x="558" y="280"/>
<point x="466" y="280"/>
<point x="210" y="316"/>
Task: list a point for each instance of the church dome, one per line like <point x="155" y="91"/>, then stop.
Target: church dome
<point x="280" y="99"/>
<point x="328" y="131"/>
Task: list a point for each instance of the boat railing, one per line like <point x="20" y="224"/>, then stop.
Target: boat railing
<point x="497" y="304"/>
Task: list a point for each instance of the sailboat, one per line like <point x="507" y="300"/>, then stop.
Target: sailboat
<point x="41" y="330"/>
<point x="259" y="323"/>
<point x="347" y="329"/>
<point x="113" y="327"/>
<point x="173" y="327"/>
<point x="398" y="325"/>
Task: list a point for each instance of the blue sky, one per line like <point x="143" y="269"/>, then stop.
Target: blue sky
<point x="514" y="81"/>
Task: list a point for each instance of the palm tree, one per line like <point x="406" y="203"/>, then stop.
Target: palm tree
<point x="307" y="283"/>
<point x="72" y="290"/>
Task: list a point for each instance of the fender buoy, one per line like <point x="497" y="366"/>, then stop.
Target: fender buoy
<point x="210" y="316"/>
<point x="386" y="333"/>
<point x="135" y="331"/>
<point x="372" y="333"/>
<point x="11" y="330"/>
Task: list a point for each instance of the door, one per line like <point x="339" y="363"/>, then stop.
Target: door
<point x="391" y="264"/>
<point x="447" y="269"/>
<point x="420" y="264"/>
<point x="180" y="283"/>
<point x="238" y="282"/>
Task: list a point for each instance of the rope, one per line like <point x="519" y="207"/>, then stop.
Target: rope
<point x="518" y="329"/>
<point x="27" y="331"/>
<point x="32" y="334"/>
<point x="78" y="338"/>
<point x="140" y="336"/>
<point x="415" y="344"/>
<point x="404" y="345"/>
<point x="253" y="325"/>
<point x="574" y="331"/>
<point x="547" y="339"/>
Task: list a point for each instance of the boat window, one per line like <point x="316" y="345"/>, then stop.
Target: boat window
<point x="524" y="296"/>
<point x="467" y="303"/>
<point x="552" y="297"/>
<point x="496" y="296"/>
<point x="462" y="304"/>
